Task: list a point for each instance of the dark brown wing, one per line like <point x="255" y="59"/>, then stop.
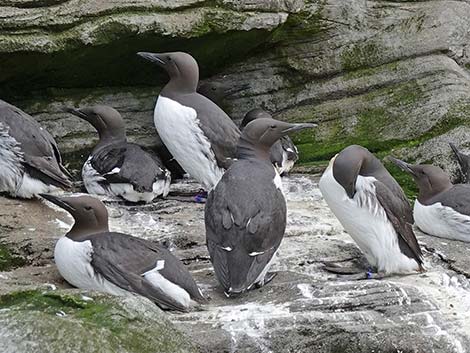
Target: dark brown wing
<point x="123" y="259"/>
<point x="399" y="213"/>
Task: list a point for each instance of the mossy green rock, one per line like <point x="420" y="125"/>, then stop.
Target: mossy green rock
<point x="8" y="260"/>
<point x="60" y="321"/>
<point x="384" y="75"/>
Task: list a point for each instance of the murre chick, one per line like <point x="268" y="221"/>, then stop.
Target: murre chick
<point x="245" y="214"/>
<point x="91" y="257"/>
<point x="464" y="163"/>
<point x="199" y="135"/>
<point x="441" y="209"/>
<point x="284" y="154"/>
<point x="30" y="161"/>
<point x="373" y="209"/>
<point x="116" y="167"/>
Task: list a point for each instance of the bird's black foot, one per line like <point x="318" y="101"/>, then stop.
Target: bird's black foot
<point x="363" y="275"/>
<point x="267" y="278"/>
<point x="201" y="197"/>
<point x="353" y="273"/>
<point x="342" y="270"/>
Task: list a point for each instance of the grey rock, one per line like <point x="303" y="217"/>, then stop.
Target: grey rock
<point x="304" y="308"/>
<point x="47" y="320"/>
<point x="381" y="74"/>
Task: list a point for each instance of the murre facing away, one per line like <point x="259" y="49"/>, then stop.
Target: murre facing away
<point x="30" y="161"/>
<point x="373" y="209"/>
<point x="199" y="135"/>
<point x="442" y="209"/>
<point x="245" y="214"/>
<point x="91" y="257"/>
<point x="116" y="167"/>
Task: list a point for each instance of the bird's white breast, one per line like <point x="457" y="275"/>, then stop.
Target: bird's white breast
<point x="442" y="221"/>
<point x="365" y="220"/>
<point x="73" y="260"/>
<point x="178" y="127"/>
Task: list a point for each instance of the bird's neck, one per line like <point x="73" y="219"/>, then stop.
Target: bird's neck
<point x="426" y="193"/>
<point x="80" y="230"/>
<point x="247" y="150"/>
<point x="107" y="138"/>
<point x="179" y="85"/>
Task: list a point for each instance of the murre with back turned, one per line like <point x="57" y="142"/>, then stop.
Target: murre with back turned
<point x="245" y="214"/>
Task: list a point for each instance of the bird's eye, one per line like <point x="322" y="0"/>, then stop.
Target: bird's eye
<point x="169" y="58"/>
<point x="273" y="126"/>
<point x="88" y="208"/>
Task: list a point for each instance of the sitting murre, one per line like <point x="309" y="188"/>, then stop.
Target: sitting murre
<point x="464" y="163"/>
<point x="91" y="257"/>
<point x="283" y="153"/>
<point x="245" y="214"/>
<point x="199" y="135"/>
<point x="30" y="161"/>
<point x="119" y="168"/>
<point x="441" y="209"/>
<point x="374" y="211"/>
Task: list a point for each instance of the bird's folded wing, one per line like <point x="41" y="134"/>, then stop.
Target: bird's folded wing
<point x="127" y="164"/>
<point x="241" y="238"/>
<point x="123" y="260"/>
<point x="398" y="212"/>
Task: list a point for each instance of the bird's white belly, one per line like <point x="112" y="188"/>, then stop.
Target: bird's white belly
<point x="31" y="187"/>
<point x="442" y="221"/>
<point x="91" y="179"/>
<point x="95" y="184"/>
<point x="365" y="220"/>
<point x="178" y="127"/>
<point x="73" y="260"/>
<point x="287" y="164"/>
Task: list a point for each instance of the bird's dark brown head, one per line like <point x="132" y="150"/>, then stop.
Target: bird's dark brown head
<point x="260" y="134"/>
<point x="89" y="213"/>
<point x="181" y="67"/>
<point x="106" y="120"/>
<point x="430" y="179"/>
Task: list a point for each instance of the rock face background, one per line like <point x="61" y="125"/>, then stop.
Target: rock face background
<point x="391" y="75"/>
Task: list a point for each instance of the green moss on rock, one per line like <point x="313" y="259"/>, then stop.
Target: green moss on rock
<point x="8" y="260"/>
<point x="361" y="55"/>
<point x="63" y="322"/>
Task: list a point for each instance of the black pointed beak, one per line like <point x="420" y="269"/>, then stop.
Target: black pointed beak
<point x="456" y="152"/>
<point x="298" y="127"/>
<point x="406" y="167"/>
<point x="59" y="201"/>
<point x="153" y="57"/>
<point x="76" y="112"/>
